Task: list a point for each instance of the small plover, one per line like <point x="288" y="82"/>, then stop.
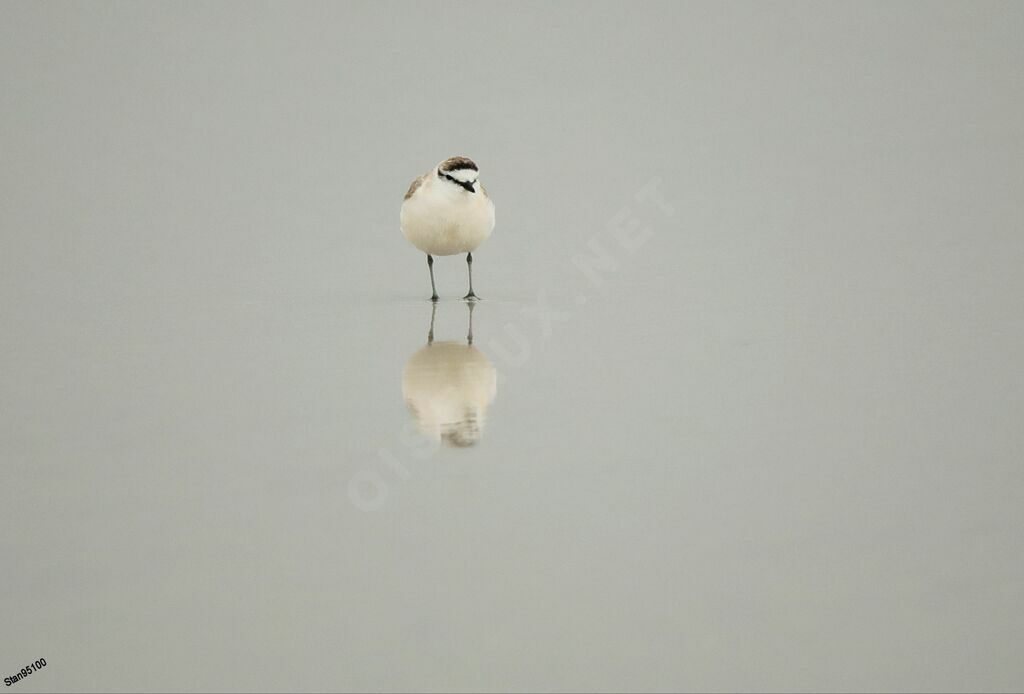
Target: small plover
<point x="447" y="211"/>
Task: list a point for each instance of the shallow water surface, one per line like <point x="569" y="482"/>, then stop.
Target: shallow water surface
<point x="740" y="408"/>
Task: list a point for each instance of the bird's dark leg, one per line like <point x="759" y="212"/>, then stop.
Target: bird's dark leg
<point x="469" y="336"/>
<point x="430" y="266"/>
<point x="433" y="314"/>
<point x="469" y="263"/>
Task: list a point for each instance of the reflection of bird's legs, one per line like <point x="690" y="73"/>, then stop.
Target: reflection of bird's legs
<point x="469" y="263"/>
<point x="469" y="336"/>
<point x="430" y="334"/>
<point x="433" y="289"/>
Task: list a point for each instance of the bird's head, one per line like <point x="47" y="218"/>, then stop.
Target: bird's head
<point x="459" y="171"/>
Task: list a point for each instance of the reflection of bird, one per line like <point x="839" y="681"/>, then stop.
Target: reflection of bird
<point x="448" y="386"/>
<point x="447" y="211"/>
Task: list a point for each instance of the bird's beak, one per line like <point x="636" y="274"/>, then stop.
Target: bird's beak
<point x="469" y="187"/>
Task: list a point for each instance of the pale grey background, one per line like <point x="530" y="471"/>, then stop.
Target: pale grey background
<point x="779" y="447"/>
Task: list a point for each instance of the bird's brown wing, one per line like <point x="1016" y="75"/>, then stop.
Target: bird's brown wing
<point x="414" y="185"/>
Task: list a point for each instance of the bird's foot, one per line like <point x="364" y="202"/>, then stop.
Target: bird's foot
<point x="434" y="298"/>
<point x="471" y="297"/>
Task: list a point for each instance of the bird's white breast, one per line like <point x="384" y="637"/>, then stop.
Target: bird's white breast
<point x="441" y="218"/>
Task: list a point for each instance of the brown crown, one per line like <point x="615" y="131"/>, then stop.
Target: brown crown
<point x="456" y="163"/>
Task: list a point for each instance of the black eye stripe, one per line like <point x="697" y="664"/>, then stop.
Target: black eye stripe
<point x="452" y="178"/>
<point x="467" y="186"/>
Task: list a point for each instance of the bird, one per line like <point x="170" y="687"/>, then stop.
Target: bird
<point x="448" y="387"/>
<point x="447" y="211"/>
